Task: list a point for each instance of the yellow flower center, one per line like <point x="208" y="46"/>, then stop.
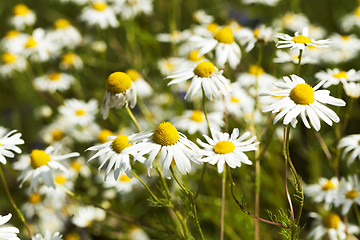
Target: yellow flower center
<point x="328" y="186"/>
<point x="212" y="27"/>
<point x="331" y="221"/>
<point x="102" y="137"/>
<point x="120" y="143"/>
<point x="80" y="112"/>
<point x="54" y="76"/>
<point x="345" y="37"/>
<point x="76" y="166"/>
<point x="256" y="33"/>
<point x="255" y="70"/>
<point x="301" y="39"/>
<point x="234" y="100"/>
<point x="69" y="58"/>
<point x="124" y="178"/>
<point x="170" y="66"/>
<point x="72" y="236"/>
<point x="0" y="144"/>
<point x="35" y="198"/>
<point x="204" y="69"/>
<point x="57" y="134"/>
<point x="352" y="194"/>
<point x="165" y="134"/>
<point x="133" y="74"/>
<point x="30" y="43"/>
<point x="20" y="10"/>
<point x="302" y="94"/>
<point x="193" y="56"/>
<point x="197" y="116"/>
<point x="8" y="58"/>
<point x="118" y="82"/>
<point x="224" y="35"/>
<point x="99" y="6"/>
<point x="60" y="180"/>
<point x="224" y="147"/>
<point x="340" y="74"/>
<point x="357" y="12"/>
<point x="62" y="23"/>
<point x="12" y="34"/>
<point x="38" y="158"/>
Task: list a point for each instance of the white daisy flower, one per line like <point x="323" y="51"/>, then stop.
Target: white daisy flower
<point x="128" y="9"/>
<point x="224" y="149"/>
<point x="352" y="90"/>
<point x="335" y="76"/>
<point x="65" y="34"/>
<point x="42" y="164"/>
<point x="299" y="98"/>
<point x="172" y="144"/>
<point x="264" y="2"/>
<point x="85" y="216"/>
<point x="119" y="92"/>
<point x="78" y="167"/>
<point x="99" y="13"/>
<point x="12" y="63"/>
<point x="143" y="88"/>
<point x="53" y="82"/>
<point x="292" y="21"/>
<point x="323" y="191"/>
<point x="48" y="236"/>
<point x="226" y="49"/>
<point x="351" y="143"/>
<point x="7" y="232"/>
<point x="293" y="57"/>
<point x="205" y="75"/>
<point x="78" y="111"/>
<point x="348" y="194"/>
<point x="22" y="17"/>
<point x="14" y="41"/>
<point x="346" y="42"/>
<point x="331" y="227"/>
<point x="300" y="41"/>
<point x="8" y="142"/>
<point x="123" y="184"/>
<point x="34" y="205"/>
<point x="351" y="20"/>
<point x="261" y="34"/>
<point x="169" y="65"/>
<point x="71" y="60"/>
<point x="173" y="37"/>
<point x="200" y="16"/>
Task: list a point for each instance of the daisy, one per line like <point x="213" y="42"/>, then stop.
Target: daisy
<point x="348" y="194"/>
<point x="293" y="57"/>
<point x="352" y="90"/>
<point x="65" y="34"/>
<point x="323" y="191"/>
<point x="71" y="60"/>
<point x="200" y="16"/>
<point x="299" y="98"/>
<point x="335" y="76"/>
<point x="172" y="144"/>
<point x="123" y="185"/>
<point x="226" y="49"/>
<point x="8" y="142"/>
<point x="52" y="82"/>
<point x="78" y="111"/>
<point x="174" y="37"/>
<point x="143" y="89"/>
<point x="224" y="149"/>
<point x="300" y="41"/>
<point x="351" y="143"/>
<point x="99" y="13"/>
<point x="14" y="41"/>
<point x="34" y="205"/>
<point x="104" y="134"/>
<point x="264" y="2"/>
<point x="351" y="20"/>
<point x="7" y="232"/>
<point x="23" y="17"/>
<point x="48" y="236"/>
<point x="206" y="76"/>
<point x="86" y="216"/>
<point x="169" y="65"/>
<point x="12" y="63"/>
<point x="346" y="42"/>
<point x="119" y="92"/>
<point x="292" y="21"/>
<point x="261" y="34"/>
<point x="128" y="9"/>
<point x="41" y="165"/>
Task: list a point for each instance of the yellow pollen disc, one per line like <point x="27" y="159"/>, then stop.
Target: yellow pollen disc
<point x="120" y="143"/>
<point x="212" y="27"/>
<point x="54" y="76"/>
<point x="99" y="6"/>
<point x="118" y="82"/>
<point x="224" y="35"/>
<point x="340" y="74"/>
<point x="345" y="37"/>
<point x="234" y="100"/>
<point x="60" y="180"/>
<point x="302" y="94"/>
<point x="357" y="12"/>
<point x="76" y="166"/>
<point x="124" y="178"/>
<point x="8" y="58"/>
<point x="256" y="33"/>
<point x="62" y="23"/>
<point x="165" y="134"/>
<point x="0" y="144"/>
<point x="30" y="43"/>
<point x="69" y="58"/>
<point x="328" y="186"/>
<point x="20" y="10"/>
<point x="224" y="147"/>
<point x="255" y="70"/>
<point x="170" y="66"/>
<point x="301" y="39"/>
<point x="133" y="74"/>
<point x="12" y="34"/>
<point x="38" y="158"/>
<point x="352" y="194"/>
<point x="102" y="137"/>
<point x="204" y="69"/>
<point x="72" y="236"/>
<point x="57" y="134"/>
<point x="193" y="56"/>
<point x="80" y="112"/>
<point x="197" y="116"/>
<point x="35" y="198"/>
<point x="331" y="221"/>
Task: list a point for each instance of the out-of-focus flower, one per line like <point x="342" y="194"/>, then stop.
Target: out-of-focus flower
<point x="48" y="236"/>
<point x="292" y="21"/>
<point x="200" y="16"/>
<point x="323" y="191"/>
<point x="335" y="76"/>
<point x="71" y="60"/>
<point x="86" y="216"/>
<point x="352" y="90"/>
<point x="12" y="63"/>
<point x="99" y="13"/>
<point x="65" y="34"/>
<point x="351" y="143"/>
<point x="143" y="88"/>
<point x="348" y="193"/>
<point x="264" y="2"/>
<point x="53" y="82"/>
<point x="261" y="34"/>
<point x="22" y="17"/>
<point x="351" y="20"/>
<point x="79" y="112"/>
<point x="292" y="56"/>
<point x="129" y="9"/>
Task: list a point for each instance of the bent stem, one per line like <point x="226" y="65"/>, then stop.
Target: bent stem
<point x="133" y="118"/>
<point x="14" y="204"/>
<point x="286" y="139"/>
<point x="223" y="188"/>
<point x="147" y="188"/>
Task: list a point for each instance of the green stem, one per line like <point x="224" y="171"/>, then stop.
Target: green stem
<point x="223" y="201"/>
<point x="147" y="188"/>
<point x="204" y="109"/>
<point x="299" y="63"/>
<point x="286" y="140"/>
<point x="14" y="204"/>
<point x="347" y="116"/>
<point x="357" y="212"/>
<point x="133" y="118"/>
